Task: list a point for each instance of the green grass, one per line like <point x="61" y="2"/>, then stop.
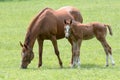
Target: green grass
<point x="15" y="17"/>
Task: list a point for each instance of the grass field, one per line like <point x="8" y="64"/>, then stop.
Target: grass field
<point x="14" y="19"/>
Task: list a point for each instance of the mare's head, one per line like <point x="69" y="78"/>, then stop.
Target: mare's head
<point x="67" y="27"/>
<point x="27" y="55"/>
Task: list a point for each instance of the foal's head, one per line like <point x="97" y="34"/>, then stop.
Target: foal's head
<point x="67" y="27"/>
<point x="27" y="55"/>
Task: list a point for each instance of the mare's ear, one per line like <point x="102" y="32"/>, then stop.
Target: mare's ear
<point x="71" y="21"/>
<point x="25" y="46"/>
<point x="64" y="21"/>
<point x="21" y="44"/>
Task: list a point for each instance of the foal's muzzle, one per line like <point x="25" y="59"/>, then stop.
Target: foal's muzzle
<point x="67" y="35"/>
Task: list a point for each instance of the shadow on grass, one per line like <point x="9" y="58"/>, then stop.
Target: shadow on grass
<point x="11" y="0"/>
<point x="83" y="66"/>
<point x="89" y="66"/>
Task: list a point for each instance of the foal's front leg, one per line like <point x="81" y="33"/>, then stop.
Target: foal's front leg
<point x="74" y="48"/>
<point x="78" y="52"/>
<point x="54" y="42"/>
<point x="70" y="40"/>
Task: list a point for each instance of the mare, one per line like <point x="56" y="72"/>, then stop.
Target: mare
<point x="78" y="32"/>
<point x="47" y="25"/>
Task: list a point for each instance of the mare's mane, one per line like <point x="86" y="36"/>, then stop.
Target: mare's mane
<point x="27" y="38"/>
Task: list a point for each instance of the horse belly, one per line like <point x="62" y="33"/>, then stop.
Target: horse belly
<point x="88" y="35"/>
<point x="47" y="32"/>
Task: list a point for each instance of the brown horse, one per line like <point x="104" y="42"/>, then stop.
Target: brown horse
<point x="78" y="32"/>
<point x="47" y="25"/>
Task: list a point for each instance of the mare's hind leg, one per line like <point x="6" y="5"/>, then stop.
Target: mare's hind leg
<point x="54" y="42"/>
<point x="107" y="50"/>
<point x="40" y="43"/>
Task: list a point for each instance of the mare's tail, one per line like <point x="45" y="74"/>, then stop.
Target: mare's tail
<point x="109" y="28"/>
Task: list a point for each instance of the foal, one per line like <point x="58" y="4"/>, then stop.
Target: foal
<point x="78" y="32"/>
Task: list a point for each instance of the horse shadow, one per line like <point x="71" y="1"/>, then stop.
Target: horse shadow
<point x="90" y="66"/>
<point x="82" y="66"/>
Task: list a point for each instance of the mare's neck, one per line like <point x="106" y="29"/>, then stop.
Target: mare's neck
<point x="32" y="34"/>
<point x="30" y="39"/>
<point x="34" y="29"/>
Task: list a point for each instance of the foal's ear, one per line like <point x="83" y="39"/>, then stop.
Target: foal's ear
<point x="21" y="44"/>
<point x="71" y="21"/>
<point x="64" y="21"/>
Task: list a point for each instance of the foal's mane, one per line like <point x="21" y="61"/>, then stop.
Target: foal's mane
<point x="27" y="38"/>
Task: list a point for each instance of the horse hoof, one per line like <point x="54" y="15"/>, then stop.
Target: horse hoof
<point x="61" y="66"/>
<point x="39" y="65"/>
<point x="72" y="66"/>
<point x="113" y="64"/>
<point x="106" y="65"/>
<point x="78" y="67"/>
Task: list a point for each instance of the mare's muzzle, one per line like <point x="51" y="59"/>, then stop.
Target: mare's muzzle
<point x="24" y="66"/>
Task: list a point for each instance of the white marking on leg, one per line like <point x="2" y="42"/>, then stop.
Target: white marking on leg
<point x="75" y="60"/>
<point x="74" y="52"/>
<point x="107" y="64"/>
<point x="112" y="60"/>
<point x="78" y="62"/>
<point x="73" y="64"/>
<point x="78" y="53"/>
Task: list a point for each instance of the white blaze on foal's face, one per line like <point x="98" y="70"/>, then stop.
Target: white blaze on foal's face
<point x="67" y="31"/>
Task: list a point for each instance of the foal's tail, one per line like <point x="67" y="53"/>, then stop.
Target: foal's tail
<point x="109" y="28"/>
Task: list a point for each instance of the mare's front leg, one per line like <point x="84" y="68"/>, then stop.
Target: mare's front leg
<point x="40" y="43"/>
<point x="54" y="42"/>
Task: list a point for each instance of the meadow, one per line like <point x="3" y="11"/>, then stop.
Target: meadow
<point x="15" y="16"/>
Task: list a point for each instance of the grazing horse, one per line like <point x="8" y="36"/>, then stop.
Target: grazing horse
<point x="47" y="25"/>
<point x="78" y="32"/>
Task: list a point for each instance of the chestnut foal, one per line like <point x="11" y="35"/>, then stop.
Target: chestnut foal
<point x="78" y="32"/>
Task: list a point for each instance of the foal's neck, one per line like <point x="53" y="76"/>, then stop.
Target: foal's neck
<point x="74" y="27"/>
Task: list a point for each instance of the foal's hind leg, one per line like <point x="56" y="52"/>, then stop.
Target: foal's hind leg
<point x="107" y="49"/>
<point x="110" y="54"/>
<point x="54" y="42"/>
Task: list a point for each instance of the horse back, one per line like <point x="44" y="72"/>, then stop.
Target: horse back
<point x="48" y="23"/>
<point x="67" y="12"/>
